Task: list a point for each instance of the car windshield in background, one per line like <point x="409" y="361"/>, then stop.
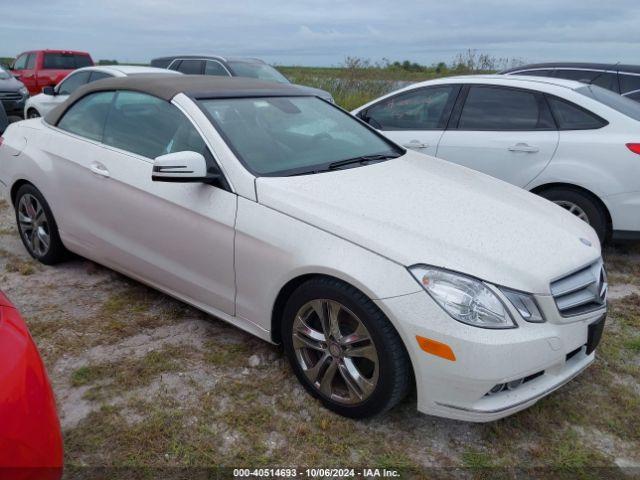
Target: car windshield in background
<point x="260" y="71"/>
<point x="4" y="74"/>
<point x="279" y="136"/>
<point x="65" y="61"/>
<point x="624" y="105"/>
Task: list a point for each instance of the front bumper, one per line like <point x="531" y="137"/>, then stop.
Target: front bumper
<point x="547" y="354"/>
<point x="14" y="107"/>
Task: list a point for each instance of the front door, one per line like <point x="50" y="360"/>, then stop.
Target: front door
<point x="46" y="103"/>
<point x="501" y="131"/>
<point x="415" y="119"/>
<point x="177" y="237"/>
<point x="25" y="69"/>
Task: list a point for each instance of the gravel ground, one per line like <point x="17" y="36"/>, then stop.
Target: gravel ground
<point x="143" y="380"/>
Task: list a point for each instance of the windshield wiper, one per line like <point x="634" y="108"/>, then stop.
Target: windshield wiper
<point x="362" y="159"/>
<point x="349" y="161"/>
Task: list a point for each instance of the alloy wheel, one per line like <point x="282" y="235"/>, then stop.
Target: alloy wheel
<point x="574" y="209"/>
<point x="335" y="351"/>
<point x="33" y="224"/>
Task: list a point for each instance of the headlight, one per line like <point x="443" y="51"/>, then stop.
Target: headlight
<point x="525" y="304"/>
<point x="23" y="91"/>
<point x="466" y="299"/>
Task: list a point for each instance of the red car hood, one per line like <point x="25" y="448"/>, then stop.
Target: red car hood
<point x="30" y="438"/>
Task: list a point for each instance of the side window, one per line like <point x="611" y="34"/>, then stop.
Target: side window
<point x="572" y="117"/>
<point x="21" y="62"/>
<point x="497" y="108"/>
<point x="634" y="96"/>
<point x="31" y="61"/>
<point x="422" y="109"/>
<point x="214" y="68"/>
<point x="173" y="65"/>
<point x="73" y="82"/>
<point x="191" y="67"/>
<point x="629" y="83"/>
<point x="95" y="76"/>
<point x="150" y="127"/>
<point x="88" y="115"/>
<point x="602" y="79"/>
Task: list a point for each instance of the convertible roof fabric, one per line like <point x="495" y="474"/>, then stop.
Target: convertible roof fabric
<point x="168" y="86"/>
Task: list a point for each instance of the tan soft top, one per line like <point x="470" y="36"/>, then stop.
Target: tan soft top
<point x="168" y="86"/>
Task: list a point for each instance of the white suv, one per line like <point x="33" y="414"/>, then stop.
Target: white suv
<point x="574" y="144"/>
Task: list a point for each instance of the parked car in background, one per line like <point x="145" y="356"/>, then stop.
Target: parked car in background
<point x="39" y="105"/>
<point x="30" y="439"/>
<point x="4" y="120"/>
<point x="13" y="94"/>
<point x="272" y="209"/>
<point x="46" y="68"/>
<point x="622" y="79"/>
<point x="574" y="144"/>
<point x="229" y="67"/>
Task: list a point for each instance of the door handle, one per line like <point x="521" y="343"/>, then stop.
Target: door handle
<point x="523" y="147"/>
<point x="416" y="144"/>
<point x="99" y="169"/>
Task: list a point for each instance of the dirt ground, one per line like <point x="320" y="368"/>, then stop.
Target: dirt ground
<point x="144" y="380"/>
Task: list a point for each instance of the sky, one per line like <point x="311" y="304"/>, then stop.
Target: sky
<point x="324" y="33"/>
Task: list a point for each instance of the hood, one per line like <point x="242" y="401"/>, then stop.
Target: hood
<point x="10" y="84"/>
<point x="419" y="209"/>
<point x="316" y="92"/>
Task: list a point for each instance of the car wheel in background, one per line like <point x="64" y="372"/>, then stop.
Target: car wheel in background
<point x="582" y="205"/>
<point x="33" y="113"/>
<point x="37" y="227"/>
<point x="344" y="350"/>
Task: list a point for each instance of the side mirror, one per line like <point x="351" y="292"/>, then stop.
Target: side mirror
<point x="49" y="90"/>
<point x="183" y="167"/>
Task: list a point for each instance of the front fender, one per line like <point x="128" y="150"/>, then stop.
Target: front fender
<point x="273" y="248"/>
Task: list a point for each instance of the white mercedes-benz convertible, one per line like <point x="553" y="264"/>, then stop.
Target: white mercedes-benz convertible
<point x="375" y="267"/>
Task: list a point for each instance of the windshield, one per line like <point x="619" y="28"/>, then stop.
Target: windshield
<point x="261" y="71"/>
<point x="624" y="105"/>
<point x="3" y="73"/>
<point x="279" y="136"/>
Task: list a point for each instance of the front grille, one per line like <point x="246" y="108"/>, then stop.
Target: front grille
<point x="581" y="292"/>
<point x="10" y="96"/>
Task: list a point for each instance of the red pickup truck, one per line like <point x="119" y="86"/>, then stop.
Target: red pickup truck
<point x="42" y="68"/>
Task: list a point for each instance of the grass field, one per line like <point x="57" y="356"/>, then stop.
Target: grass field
<point x="352" y="87"/>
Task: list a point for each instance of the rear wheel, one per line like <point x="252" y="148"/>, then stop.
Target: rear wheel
<point x="344" y="350"/>
<point x="582" y="205"/>
<point x="33" y="113"/>
<point x="37" y="227"/>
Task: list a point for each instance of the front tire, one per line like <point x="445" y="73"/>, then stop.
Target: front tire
<point x="344" y="350"/>
<point x="583" y="206"/>
<point x="37" y="226"/>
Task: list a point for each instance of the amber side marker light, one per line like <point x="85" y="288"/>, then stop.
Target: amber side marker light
<point x="436" y="348"/>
